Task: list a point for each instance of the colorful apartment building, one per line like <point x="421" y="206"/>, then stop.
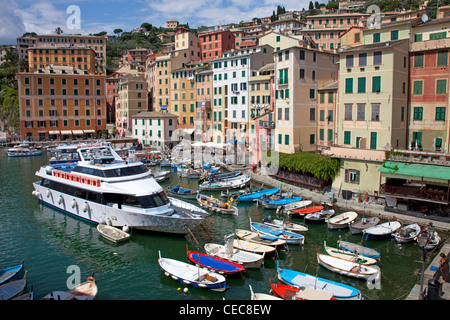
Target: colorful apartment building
<point x="214" y="43"/>
<point x="280" y="41"/>
<point x="132" y="99"/>
<point x="429" y="82"/>
<point x="59" y="102"/>
<point x="23" y="43"/>
<point x="373" y="96"/>
<point x="326" y="108"/>
<point x="96" y="43"/>
<point x="80" y="57"/>
<point x="155" y="129"/>
<point x="261" y="123"/>
<point x="299" y="73"/>
<point x="286" y="22"/>
<point x="232" y="74"/>
<point x="136" y="56"/>
<point x="205" y="122"/>
<point x="185" y="40"/>
<point x="326" y="29"/>
<point x="183" y="96"/>
<point x="158" y="75"/>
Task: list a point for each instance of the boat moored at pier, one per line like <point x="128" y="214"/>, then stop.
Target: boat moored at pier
<point x="104" y="188"/>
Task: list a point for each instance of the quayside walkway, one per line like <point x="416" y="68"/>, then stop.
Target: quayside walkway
<point x="441" y="224"/>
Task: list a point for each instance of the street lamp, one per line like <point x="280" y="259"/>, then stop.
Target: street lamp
<point x="423" y="239"/>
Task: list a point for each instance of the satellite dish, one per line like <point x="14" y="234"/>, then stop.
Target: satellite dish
<point x="424" y="18"/>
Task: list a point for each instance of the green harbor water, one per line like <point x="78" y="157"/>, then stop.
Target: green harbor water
<point x="50" y="242"/>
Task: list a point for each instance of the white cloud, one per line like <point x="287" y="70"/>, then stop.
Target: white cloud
<point x="43" y="18"/>
<point x="11" y="24"/>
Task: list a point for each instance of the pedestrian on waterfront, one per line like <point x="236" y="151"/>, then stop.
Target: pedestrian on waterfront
<point x="444" y="267"/>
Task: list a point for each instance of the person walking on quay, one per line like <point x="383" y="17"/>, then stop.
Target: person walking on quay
<point x="444" y="267"/>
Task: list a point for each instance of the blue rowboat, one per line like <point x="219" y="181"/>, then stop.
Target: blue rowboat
<point x="356" y="248"/>
<point x="257" y="195"/>
<point x="12" y="273"/>
<point x="274" y="204"/>
<point x="303" y="280"/>
<point x="182" y="192"/>
<point x="192" y="275"/>
<point x="215" y="264"/>
<point x="289" y="237"/>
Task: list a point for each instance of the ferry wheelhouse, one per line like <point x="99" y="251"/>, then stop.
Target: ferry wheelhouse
<point x="104" y="188"/>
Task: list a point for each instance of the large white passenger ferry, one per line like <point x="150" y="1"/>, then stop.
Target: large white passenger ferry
<point x="104" y="188"/>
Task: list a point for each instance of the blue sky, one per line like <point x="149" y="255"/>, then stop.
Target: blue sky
<point x="42" y="17"/>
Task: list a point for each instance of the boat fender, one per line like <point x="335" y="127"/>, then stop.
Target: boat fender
<point x="108" y="222"/>
<point x="74" y="203"/>
<point x="60" y="200"/>
<point x="126" y="228"/>
<point x="424" y="209"/>
<point x="85" y="207"/>
<point x="48" y="193"/>
<point x="33" y="192"/>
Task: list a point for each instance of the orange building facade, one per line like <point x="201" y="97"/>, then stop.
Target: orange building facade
<point x="61" y="103"/>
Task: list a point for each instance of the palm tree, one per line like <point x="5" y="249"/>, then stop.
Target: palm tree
<point x="59" y="30"/>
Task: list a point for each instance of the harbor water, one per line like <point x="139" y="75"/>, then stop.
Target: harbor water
<point x="53" y="244"/>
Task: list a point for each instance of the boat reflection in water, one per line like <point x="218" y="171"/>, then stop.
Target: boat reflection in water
<point x="103" y="188"/>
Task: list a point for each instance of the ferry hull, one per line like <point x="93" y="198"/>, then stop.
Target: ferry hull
<point x="95" y="213"/>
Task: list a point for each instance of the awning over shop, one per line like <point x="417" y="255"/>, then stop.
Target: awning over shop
<point x="66" y="132"/>
<point x="415" y="171"/>
<point x="189" y="131"/>
<point x="89" y="131"/>
<point x="53" y="132"/>
<point x="77" y="131"/>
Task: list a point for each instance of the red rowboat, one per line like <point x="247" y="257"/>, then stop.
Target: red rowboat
<point x="216" y="264"/>
<point x="305" y="211"/>
<point x="284" y="291"/>
<point x="287" y="292"/>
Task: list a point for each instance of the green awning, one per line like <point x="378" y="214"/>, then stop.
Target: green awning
<point x="414" y="171"/>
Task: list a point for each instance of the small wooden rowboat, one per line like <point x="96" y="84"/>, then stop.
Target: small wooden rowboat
<point x="356" y="248"/>
<point x="215" y="205"/>
<point x="112" y="233"/>
<point x="84" y="291"/>
<point x="305" y="211"/>
<point x="261" y="296"/>
<point x="357" y="227"/>
<point x="287" y="292"/>
<point x="13" y="289"/>
<point x="266" y="251"/>
<point x="12" y="273"/>
<point x="260" y="239"/>
<point x="192" y="275"/>
<point x="304" y="280"/>
<point x="238" y="192"/>
<point x="407" y="233"/>
<point x="285" y="225"/>
<point x="347" y="268"/>
<point x="341" y="221"/>
<point x="289" y="237"/>
<point x="346" y="255"/>
<point x="294" y="205"/>
<point x="248" y="260"/>
<point x="182" y="192"/>
<point x="215" y="264"/>
<point x="319" y="217"/>
<point x="381" y="231"/>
